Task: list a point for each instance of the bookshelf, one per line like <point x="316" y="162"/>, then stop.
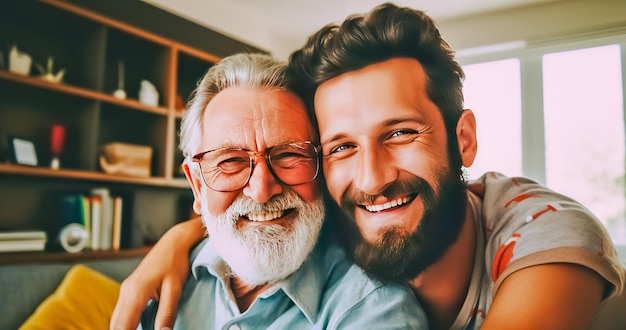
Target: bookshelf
<point x="48" y="257"/>
<point x="89" y="39"/>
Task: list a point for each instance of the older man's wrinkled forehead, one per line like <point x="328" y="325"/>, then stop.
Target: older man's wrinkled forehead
<point x="254" y="118"/>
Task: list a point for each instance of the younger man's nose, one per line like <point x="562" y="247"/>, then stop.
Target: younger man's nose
<point x="374" y="172"/>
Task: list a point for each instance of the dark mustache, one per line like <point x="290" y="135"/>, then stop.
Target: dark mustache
<point x="353" y="196"/>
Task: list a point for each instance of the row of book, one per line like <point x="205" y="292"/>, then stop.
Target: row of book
<point x="102" y="215"/>
<point x="22" y="240"/>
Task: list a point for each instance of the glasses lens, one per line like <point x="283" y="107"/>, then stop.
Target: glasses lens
<point x="226" y="170"/>
<point x="294" y="163"/>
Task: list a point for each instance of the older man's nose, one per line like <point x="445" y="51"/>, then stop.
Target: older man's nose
<point x="262" y="185"/>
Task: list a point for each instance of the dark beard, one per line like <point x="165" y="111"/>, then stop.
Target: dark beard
<point x="399" y="257"/>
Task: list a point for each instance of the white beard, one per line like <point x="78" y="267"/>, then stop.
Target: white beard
<point x="265" y="253"/>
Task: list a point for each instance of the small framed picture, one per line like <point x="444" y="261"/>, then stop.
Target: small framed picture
<point x="22" y="151"/>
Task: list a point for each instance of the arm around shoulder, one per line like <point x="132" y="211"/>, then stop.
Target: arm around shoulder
<point x="159" y="276"/>
<point x="549" y="296"/>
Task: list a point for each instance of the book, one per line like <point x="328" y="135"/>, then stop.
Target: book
<point x="96" y="222"/>
<point x="22" y="240"/>
<point x="106" y="218"/>
<point x="22" y="245"/>
<point x="72" y="209"/>
<point x="22" y="235"/>
<point x="116" y="238"/>
<point x="87" y="217"/>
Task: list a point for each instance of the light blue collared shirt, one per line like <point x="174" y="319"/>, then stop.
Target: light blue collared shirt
<point x="327" y="292"/>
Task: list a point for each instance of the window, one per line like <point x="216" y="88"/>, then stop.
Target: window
<point x="492" y="92"/>
<point x="584" y="131"/>
<point x="556" y="114"/>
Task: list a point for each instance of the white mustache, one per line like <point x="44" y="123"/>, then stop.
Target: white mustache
<point x="275" y="208"/>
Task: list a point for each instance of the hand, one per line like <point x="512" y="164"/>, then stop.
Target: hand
<point x="159" y="276"/>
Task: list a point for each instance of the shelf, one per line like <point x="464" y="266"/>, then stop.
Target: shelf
<point x="82" y="92"/>
<point x="90" y="39"/>
<point x="14" y="258"/>
<point x="92" y="176"/>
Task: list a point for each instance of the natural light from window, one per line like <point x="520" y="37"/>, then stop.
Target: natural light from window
<point x="584" y="124"/>
<point x="492" y="91"/>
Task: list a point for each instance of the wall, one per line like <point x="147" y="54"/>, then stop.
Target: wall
<point x="173" y="26"/>
<point x="245" y="25"/>
<point x="534" y="23"/>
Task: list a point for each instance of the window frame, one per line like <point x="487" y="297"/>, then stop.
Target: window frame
<point x="530" y="56"/>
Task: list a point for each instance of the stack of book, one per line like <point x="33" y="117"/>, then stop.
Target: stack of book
<point x="101" y="213"/>
<point x="20" y="241"/>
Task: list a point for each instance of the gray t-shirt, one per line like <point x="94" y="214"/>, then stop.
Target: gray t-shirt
<point x="520" y="223"/>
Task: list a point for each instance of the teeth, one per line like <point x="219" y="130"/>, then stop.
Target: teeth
<point x="388" y="205"/>
<point x="265" y="216"/>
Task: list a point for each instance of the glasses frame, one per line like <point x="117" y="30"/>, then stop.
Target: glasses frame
<point x="252" y="155"/>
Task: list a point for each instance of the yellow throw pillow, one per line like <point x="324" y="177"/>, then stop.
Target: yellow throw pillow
<point x="84" y="300"/>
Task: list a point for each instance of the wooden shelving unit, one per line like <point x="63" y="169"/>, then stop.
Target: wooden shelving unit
<point x="44" y="257"/>
<point x="88" y="41"/>
<point x="91" y="176"/>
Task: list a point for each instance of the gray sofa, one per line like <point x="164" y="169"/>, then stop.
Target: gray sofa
<point x="24" y="286"/>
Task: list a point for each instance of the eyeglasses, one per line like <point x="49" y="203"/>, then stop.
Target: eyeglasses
<point x="230" y="169"/>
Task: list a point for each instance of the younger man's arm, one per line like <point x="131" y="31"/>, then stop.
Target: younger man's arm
<point x="159" y="276"/>
<point x="550" y="296"/>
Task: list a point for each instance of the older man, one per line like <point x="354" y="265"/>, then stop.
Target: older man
<point x="252" y="162"/>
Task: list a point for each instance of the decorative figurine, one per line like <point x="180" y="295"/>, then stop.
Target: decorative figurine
<point x="19" y="62"/>
<point x="48" y="73"/>
<point x="118" y="158"/>
<point x="57" y="141"/>
<point x="148" y="94"/>
<point x="120" y="93"/>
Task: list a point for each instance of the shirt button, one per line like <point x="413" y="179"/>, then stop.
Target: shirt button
<point x="234" y="327"/>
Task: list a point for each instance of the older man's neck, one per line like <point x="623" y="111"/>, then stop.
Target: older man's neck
<point x="244" y="293"/>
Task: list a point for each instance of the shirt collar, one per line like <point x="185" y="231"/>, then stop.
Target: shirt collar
<point x="205" y="256"/>
<point x="304" y="287"/>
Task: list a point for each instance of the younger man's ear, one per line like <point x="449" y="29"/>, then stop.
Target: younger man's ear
<point x="466" y="137"/>
<point x="196" y="187"/>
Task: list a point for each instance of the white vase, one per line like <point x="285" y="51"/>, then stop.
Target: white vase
<point x="19" y="62"/>
<point x="148" y="94"/>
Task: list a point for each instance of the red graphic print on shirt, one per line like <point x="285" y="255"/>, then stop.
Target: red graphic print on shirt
<point x="479" y="312"/>
<point x="519" y="198"/>
<point x="549" y="208"/>
<point x="503" y="256"/>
